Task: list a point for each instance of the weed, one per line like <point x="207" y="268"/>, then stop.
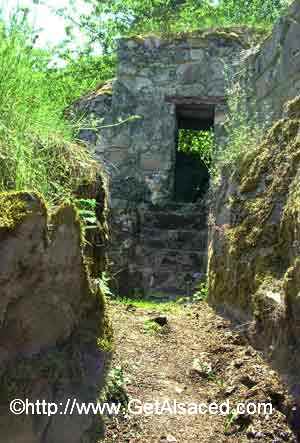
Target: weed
<point x="230" y="419"/>
<point x="204" y="368"/>
<point x="87" y="212"/>
<point x="200" y="144"/>
<point x="202" y="293"/>
<point x="151" y="327"/>
<point x="103" y="284"/>
<point x="37" y="144"/>
<point x="244" y="131"/>
<point x="115" y="388"/>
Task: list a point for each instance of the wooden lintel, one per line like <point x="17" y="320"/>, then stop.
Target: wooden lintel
<point x="195" y="100"/>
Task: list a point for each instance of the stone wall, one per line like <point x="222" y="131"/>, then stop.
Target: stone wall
<point x="270" y="73"/>
<point x="139" y="155"/>
<point x="54" y="335"/>
<point x="253" y="264"/>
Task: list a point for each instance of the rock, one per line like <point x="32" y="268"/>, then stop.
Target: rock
<point x="249" y="352"/>
<point x="237" y="363"/>
<point x="168" y="439"/>
<point x="130" y="308"/>
<point x="243" y="420"/>
<point x="52" y="321"/>
<point x="160" y="320"/>
<point x="285" y="436"/>
<point x="230" y="390"/>
<point x="251" y="433"/>
<point x="248" y="381"/>
<point x="202" y="368"/>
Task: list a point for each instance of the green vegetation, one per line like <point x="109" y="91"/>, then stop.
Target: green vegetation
<point x="13" y="209"/>
<point x="242" y="133"/>
<point x="150" y="305"/>
<point x="115" y="387"/>
<point x="151" y="327"/>
<point x="103" y="284"/>
<point x="38" y="147"/>
<point x="87" y="212"/>
<point x="202" y="292"/>
<point x="109" y="20"/>
<point x="200" y="144"/>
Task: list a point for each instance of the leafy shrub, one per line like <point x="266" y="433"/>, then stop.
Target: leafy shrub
<point x="198" y="143"/>
<point x="87" y="212"/>
<point x="202" y="292"/>
<point x="115" y="388"/>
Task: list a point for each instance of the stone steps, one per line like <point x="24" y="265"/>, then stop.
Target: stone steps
<point x="170" y="257"/>
<point x="165" y="283"/>
<point x="174" y="239"/>
<point x="174" y="220"/>
<point x="172" y="249"/>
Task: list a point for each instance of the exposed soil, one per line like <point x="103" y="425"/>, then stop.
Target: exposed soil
<point x="164" y="365"/>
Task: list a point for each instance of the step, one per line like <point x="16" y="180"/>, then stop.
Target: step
<point x="173" y="220"/>
<point x="170" y="283"/>
<point x="176" y="258"/>
<point x="191" y="240"/>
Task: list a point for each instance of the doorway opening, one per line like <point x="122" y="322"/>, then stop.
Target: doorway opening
<point x="194" y="140"/>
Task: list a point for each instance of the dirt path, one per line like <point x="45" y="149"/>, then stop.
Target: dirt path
<point x="196" y="358"/>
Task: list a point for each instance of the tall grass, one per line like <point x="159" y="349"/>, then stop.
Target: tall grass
<point x="37" y="151"/>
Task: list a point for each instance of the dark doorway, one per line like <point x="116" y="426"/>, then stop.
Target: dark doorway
<point x="191" y="173"/>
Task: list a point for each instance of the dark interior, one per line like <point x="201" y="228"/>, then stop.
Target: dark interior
<point x="191" y="174"/>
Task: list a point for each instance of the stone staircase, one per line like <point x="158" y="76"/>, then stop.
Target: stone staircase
<point x="171" y="253"/>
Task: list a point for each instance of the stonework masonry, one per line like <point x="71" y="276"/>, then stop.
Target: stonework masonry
<point x="270" y="73"/>
<point x="159" y="245"/>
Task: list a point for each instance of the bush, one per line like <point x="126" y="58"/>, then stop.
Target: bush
<point x="201" y="144"/>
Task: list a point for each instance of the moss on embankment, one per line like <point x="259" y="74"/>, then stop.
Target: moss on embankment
<point x="254" y="240"/>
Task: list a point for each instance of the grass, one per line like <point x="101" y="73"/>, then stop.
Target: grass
<point x="149" y="305"/>
<point x="38" y="151"/>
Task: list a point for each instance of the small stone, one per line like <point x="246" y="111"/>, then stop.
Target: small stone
<point x="243" y="420"/>
<point x="202" y="368"/>
<point x="130" y="308"/>
<point x="160" y="320"/>
<point x="230" y="390"/>
<point x="248" y="381"/>
<point x="237" y="363"/>
<point x="249" y="352"/>
<point x="168" y="439"/>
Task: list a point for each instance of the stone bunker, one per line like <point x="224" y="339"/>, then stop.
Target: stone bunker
<point x="158" y="194"/>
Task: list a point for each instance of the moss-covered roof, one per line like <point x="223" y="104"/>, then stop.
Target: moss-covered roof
<point x="245" y="35"/>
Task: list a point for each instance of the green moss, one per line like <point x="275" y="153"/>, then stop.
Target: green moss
<point x="257" y="248"/>
<point x="58" y="364"/>
<point x="105" y="89"/>
<point x="292" y="108"/>
<point x="16" y="206"/>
